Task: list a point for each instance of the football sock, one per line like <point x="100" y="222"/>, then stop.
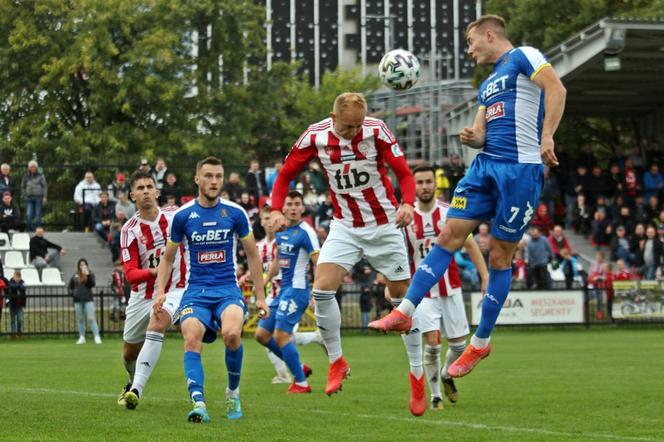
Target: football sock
<point x="304" y="338"/>
<point x="274" y="348"/>
<point x="426" y="276"/>
<point x="147" y="359"/>
<point x="130" y="366"/>
<point x="292" y="359"/>
<point x="479" y="342"/>
<point x="497" y="290"/>
<point x="432" y="368"/>
<point x="234" y="366"/>
<point x="193" y="370"/>
<point x="453" y="353"/>
<point x="413" y="343"/>
<point x="233" y="393"/>
<point x="279" y="365"/>
<point x="328" y="318"/>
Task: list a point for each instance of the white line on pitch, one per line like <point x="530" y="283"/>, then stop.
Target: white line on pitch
<point x="507" y="429"/>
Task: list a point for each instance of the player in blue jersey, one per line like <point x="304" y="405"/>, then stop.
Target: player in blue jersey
<point x="520" y="106"/>
<point x="209" y="227"/>
<point x="296" y="245"/>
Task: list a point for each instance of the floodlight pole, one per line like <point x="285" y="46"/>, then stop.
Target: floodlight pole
<point x="389" y="19"/>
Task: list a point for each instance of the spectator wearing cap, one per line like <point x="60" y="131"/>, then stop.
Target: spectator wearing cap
<point x="87" y="195"/>
<point x="44" y="253"/>
<point x="123" y="204"/>
<point x="34" y="190"/>
<point x="171" y="188"/>
<point x="6" y="180"/>
<point x="119" y="185"/>
<point x="159" y="172"/>
<point x="103" y="216"/>
<point x="145" y="166"/>
<point x="10" y="214"/>
<point x="653" y="182"/>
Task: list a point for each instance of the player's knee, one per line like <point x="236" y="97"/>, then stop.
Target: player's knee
<point x="262" y="336"/>
<point x="232" y="339"/>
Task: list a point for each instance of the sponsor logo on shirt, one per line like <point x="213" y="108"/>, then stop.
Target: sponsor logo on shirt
<point x="193" y="215"/>
<point x="396" y="150"/>
<point x="496" y="110"/>
<point x="284" y="262"/>
<point x="212" y="257"/>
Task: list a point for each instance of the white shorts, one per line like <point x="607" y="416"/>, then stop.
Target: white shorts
<point x="384" y="247"/>
<point x="445" y="313"/>
<point x="139" y="311"/>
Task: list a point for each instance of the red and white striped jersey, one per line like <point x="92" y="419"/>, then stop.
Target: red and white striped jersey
<point x="141" y="243"/>
<point x="362" y="193"/>
<point x="267" y="250"/>
<point x="420" y="237"/>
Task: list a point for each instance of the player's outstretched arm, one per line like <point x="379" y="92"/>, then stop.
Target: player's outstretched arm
<point x="554" y="106"/>
<point x="475" y="136"/>
<point x="256" y="270"/>
<point x="164" y="273"/>
<point x="476" y="256"/>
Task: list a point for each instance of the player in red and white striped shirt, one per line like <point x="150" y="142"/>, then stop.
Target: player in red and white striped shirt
<point x="354" y="151"/>
<point x="142" y="241"/>
<point x="442" y="309"/>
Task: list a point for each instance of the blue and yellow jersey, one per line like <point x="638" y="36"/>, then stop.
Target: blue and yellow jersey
<point x="295" y="245"/>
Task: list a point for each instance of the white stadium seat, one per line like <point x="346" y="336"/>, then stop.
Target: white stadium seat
<point x="9" y="272"/>
<point x="21" y="241"/>
<point x="52" y="277"/>
<point x="14" y="259"/>
<point x="4" y="241"/>
<point x="30" y="277"/>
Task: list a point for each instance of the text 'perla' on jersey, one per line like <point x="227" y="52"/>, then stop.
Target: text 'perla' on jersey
<point x="211" y="235"/>
<point x="362" y="193"/>
<point x="514" y="106"/>
<point x="141" y="244"/>
<point x="420" y="237"/>
<point x="295" y="245"/>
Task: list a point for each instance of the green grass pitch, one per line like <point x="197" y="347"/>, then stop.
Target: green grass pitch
<point x="563" y="385"/>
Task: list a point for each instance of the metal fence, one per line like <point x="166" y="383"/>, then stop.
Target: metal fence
<point x="50" y="310"/>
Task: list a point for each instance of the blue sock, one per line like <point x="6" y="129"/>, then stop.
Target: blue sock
<point x="234" y="366"/>
<point x="292" y="359"/>
<point x="274" y="348"/>
<point x="193" y="370"/>
<point x="428" y="273"/>
<point x="497" y="290"/>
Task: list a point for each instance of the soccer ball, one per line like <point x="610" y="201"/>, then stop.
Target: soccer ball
<point x="399" y="69"/>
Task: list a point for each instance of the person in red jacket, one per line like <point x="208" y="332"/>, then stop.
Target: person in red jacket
<point x="558" y="241"/>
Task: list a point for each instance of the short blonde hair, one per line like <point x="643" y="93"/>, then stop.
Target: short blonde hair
<point x="347" y="100"/>
<point x="495" y="21"/>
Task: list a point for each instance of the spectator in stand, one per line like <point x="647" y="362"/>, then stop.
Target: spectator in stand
<point x="123" y="204"/>
<point x="6" y="180"/>
<point x="255" y="182"/>
<point x="600" y="204"/>
<point x="159" y="172"/>
<point x="467" y="269"/>
<point x="640" y="210"/>
<point x="652" y="211"/>
<point x="615" y="181"/>
<point x="653" y="182"/>
<point x="581" y="216"/>
<point x="80" y="288"/>
<point x="249" y="206"/>
<point x="364" y="275"/>
<point x="576" y="185"/>
<point x="569" y="264"/>
<point x="601" y="229"/>
<point x="145" y="166"/>
<point x="619" y="246"/>
<point x="614" y="209"/>
<point x="550" y="190"/>
<point x="622" y="272"/>
<point x="103" y="216"/>
<point x="537" y="257"/>
<point x="171" y="201"/>
<point x="44" y="253"/>
<point x="365" y="305"/>
<point x="625" y="219"/>
<point x="10" y="214"/>
<point x="233" y="187"/>
<point x="543" y="220"/>
<point x="599" y="285"/>
<point x="114" y="241"/>
<point x="519" y="269"/>
<point x="272" y="175"/>
<point x="651" y="250"/>
<point x="631" y="182"/>
<point x="587" y="156"/>
<point x="660" y="231"/>
<point x="87" y="195"/>
<point x="558" y="241"/>
<point x="35" y="191"/>
<point x="324" y="213"/>
<point x="635" y="239"/>
<point x="118" y="186"/>
<point x="318" y="180"/>
<point x="122" y="290"/>
<point x="598" y="184"/>
<point x="455" y="170"/>
<point x="309" y="194"/>
<point x="483" y="239"/>
<point x="171" y="188"/>
<point x="442" y="184"/>
<point x="17" y="300"/>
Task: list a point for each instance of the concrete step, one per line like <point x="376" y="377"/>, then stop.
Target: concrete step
<point x="582" y="246"/>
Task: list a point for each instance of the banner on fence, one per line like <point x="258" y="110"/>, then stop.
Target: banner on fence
<point x="637" y="300"/>
<point x="537" y="307"/>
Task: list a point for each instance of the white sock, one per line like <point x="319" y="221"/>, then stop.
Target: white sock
<point x="406" y="307"/>
<point x="233" y="393"/>
<point x="413" y="343"/>
<point x="304" y="338"/>
<point x="279" y="365"/>
<point x="328" y="318"/>
<point x="147" y="359"/>
<point x="479" y="342"/>
<point x="453" y="353"/>
<point x="130" y="366"/>
<point x="432" y="368"/>
<point x="304" y="383"/>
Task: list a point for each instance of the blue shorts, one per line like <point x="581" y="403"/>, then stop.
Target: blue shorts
<point x="292" y="304"/>
<point x="269" y="323"/>
<point x="499" y="190"/>
<point x="207" y="305"/>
